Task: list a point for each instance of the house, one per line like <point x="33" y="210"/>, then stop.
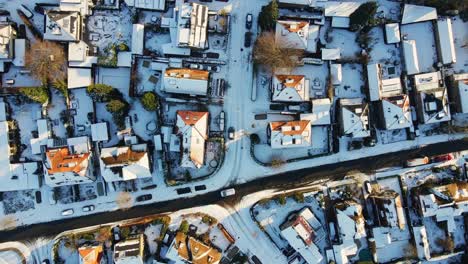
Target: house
<point x="290" y="134"/>
<point x="290" y="88"/>
<point x="69" y="164"/>
<point x="461" y="92"/>
<point x="191" y="250"/>
<point x="320" y="112"/>
<point x="63" y="26"/>
<point x="192" y="131"/>
<point x="14" y="176"/>
<point x="350" y="224"/>
<point x="354" y="115"/>
<point x="392" y="33"/>
<point x="138" y="39"/>
<point x="158" y="5"/>
<point x="445" y="43"/>
<point x="380" y="86"/>
<point x="125" y="163"/>
<point x="79" y="55"/>
<point x="416" y="13"/>
<point x="185" y="81"/>
<point x="432" y="98"/>
<point x="130" y="251"/>
<point x="7" y="44"/>
<point x="298" y="230"/>
<point x="79" y="77"/>
<point x="411" y="56"/>
<point x="388" y="209"/>
<point x="91" y="254"/>
<point x="192" y="26"/>
<point x="395" y="112"/>
<point x="297" y="35"/>
<point x="444" y="202"/>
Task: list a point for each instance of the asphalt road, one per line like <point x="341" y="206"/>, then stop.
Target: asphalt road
<point x="280" y="181"/>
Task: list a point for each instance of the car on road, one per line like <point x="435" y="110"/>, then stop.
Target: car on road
<point x="247" y="39"/>
<point x="248" y="21"/>
<point x="88" y="208"/>
<point x="231" y="133"/>
<point x="144" y="197"/>
<point x="417" y="162"/>
<point x="67" y="212"/>
<point x="228" y="192"/>
<point x="442" y="158"/>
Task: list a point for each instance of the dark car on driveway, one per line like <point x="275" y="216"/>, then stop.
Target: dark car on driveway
<point x="248" y="39"/>
<point x="144" y="197"/>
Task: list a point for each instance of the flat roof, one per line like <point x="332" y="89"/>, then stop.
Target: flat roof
<point x="78" y="77"/>
<point x="411" y="56"/>
<point x="138" y="35"/>
<point x="20" y="52"/>
<point x="416" y="13"/>
<point x="446" y="45"/>
<point x="392" y="33"/>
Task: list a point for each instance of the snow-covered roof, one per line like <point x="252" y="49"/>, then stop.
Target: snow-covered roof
<point x="292" y="34"/>
<point x="379" y="87"/>
<point x="355" y="117"/>
<point x="81" y="6"/>
<point x="340" y="22"/>
<point x="331" y="54"/>
<point x="20" y="52"/>
<point x="336" y="74"/>
<point x="124" y="59"/>
<point x="3" y="112"/>
<point x="350" y="220"/>
<point x="445" y="201"/>
<point x="445" y="40"/>
<point x="147" y="4"/>
<point x="42" y="136"/>
<point x="342" y="251"/>
<point x="396" y="112"/>
<point x="157" y="142"/>
<point x="392" y="33"/>
<point x="298" y="2"/>
<point x="427" y="81"/>
<point x="77" y="51"/>
<point x="130" y="251"/>
<point x="193" y="128"/>
<point x="320" y="112"/>
<point x="416" y="13"/>
<point x="99" y="132"/>
<point x="290" y="134"/>
<point x="91" y="254"/>
<point x="300" y="234"/>
<point x="62" y="26"/>
<point x="421" y="242"/>
<point x="196" y="36"/>
<point x="389" y="209"/>
<point x="340" y="9"/>
<point x="411" y="56"/>
<point x="290" y="88"/>
<point x="185" y="81"/>
<point x="138" y="37"/>
<point x="6" y="41"/>
<point x="463" y="95"/>
<point x="78" y="77"/>
<point x="125" y="163"/>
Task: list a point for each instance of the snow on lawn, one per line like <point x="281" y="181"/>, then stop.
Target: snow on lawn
<point x="424" y="35"/>
<point x="147" y="79"/>
<point x="353" y="82"/>
<point x="68" y="253"/>
<point x="21" y="79"/>
<point x="460" y="34"/>
<point x="345" y="40"/>
<point x="119" y="78"/>
<point x="104" y="116"/>
<point x="155" y="40"/>
<point x="459" y="233"/>
<point x="83" y="105"/>
<point x="54" y="110"/>
<point x="380" y="52"/>
<point x="434" y="233"/>
<point x="144" y="122"/>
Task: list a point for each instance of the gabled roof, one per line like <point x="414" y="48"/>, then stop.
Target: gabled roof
<point x="193" y="128"/>
<point x="62" y="25"/>
<point x="446" y="42"/>
<point x="292" y="34"/>
<point x="195" y="251"/>
<point x="355" y="117"/>
<point x="7" y="33"/>
<point x="416" y="13"/>
<point x="411" y="56"/>
<point x="433" y="98"/>
<point x="290" y="88"/>
<point x="91" y="255"/>
<point x="62" y="161"/>
<point x="125" y="163"/>
<point x="290" y="134"/>
<point x="186" y="81"/>
<point x="396" y="112"/>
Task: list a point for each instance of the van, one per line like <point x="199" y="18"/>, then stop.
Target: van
<point x="10" y="81"/>
<point x="26" y="12"/>
<point x="228" y="192"/>
<point x="67" y="212"/>
<point x="417" y="162"/>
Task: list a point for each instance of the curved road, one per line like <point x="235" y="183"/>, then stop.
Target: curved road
<point x="280" y="181"/>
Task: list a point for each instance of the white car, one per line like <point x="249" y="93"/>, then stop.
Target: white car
<point x="228" y="192"/>
<point x="67" y="212"/>
<point x="88" y="208"/>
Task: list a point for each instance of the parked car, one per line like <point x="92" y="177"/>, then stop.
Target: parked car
<point x="67" y="212"/>
<point x="231" y="133"/>
<point x="144" y="197"/>
<point x="116" y="233"/>
<point x="417" y="162"/>
<point x="248" y="21"/>
<point x="88" y="208"/>
<point x="228" y="192"/>
<point x="247" y="39"/>
<point x="442" y="158"/>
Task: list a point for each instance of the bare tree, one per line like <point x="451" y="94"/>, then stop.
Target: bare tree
<point x="8" y="222"/>
<point x="275" y="54"/>
<point x="46" y="61"/>
<point x="124" y="200"/>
